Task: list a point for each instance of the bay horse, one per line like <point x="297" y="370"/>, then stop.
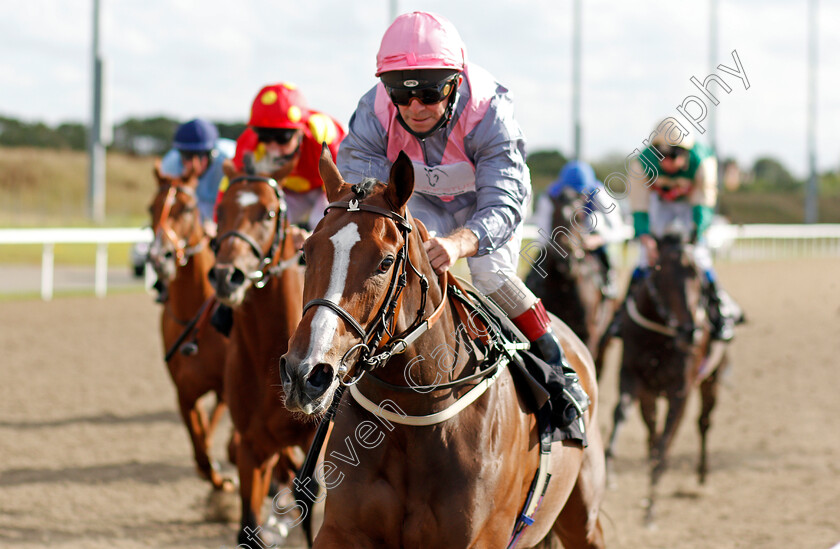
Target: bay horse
<point x="394" y="479"/>
<point x="570" y="285"/>
<point x="258" y="275"/>
<point x="194" y="352"/>
<point x="667" y="353"/>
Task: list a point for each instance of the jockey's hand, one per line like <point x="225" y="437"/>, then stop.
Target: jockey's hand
<point x="444" y="251"/>
<point x="592" y="241"/>
<point x="649" y="244"/>
<point x="298" y="236"/>
<point x="210" y="228"/>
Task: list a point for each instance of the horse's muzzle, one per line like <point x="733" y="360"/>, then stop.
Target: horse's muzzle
<point x="305" y="386"/>
<point x="226" y="279"/>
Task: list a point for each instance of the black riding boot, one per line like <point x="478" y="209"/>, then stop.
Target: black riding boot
<point x="568" y="399"/>
<point x="724" y="313"/>
<point x="573" y="401"/>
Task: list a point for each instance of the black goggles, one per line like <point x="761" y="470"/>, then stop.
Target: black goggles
<point x="428" y="95"/>
<point x="672" y="152"/>
<point x="281" y="136"/>
<point x="187" y="156"/>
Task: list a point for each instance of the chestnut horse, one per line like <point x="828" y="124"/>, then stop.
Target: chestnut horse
<point x="667" y="352"/>
<point x="258" y="275"/>
<point x="394" y="478"/>
<point x="570" y="285"/>
<point x="195" y="352"/>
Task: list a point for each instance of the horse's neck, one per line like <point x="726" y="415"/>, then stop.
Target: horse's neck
<point x="190" y="288"/>
<point x="268" y="315"/>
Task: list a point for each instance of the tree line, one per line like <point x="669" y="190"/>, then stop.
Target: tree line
<point x="153" y="136"/>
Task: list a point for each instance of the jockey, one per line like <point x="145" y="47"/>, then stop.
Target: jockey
<point x="200" y="138"/>
<point x="675" y="181"/>
<point x="282" y="129"/>
<point x="607" y="227"/>
<point x="471" y="183"/>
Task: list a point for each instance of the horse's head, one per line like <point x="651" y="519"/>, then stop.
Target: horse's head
<point x="251" y="232"/>
<point x="675" y="287"/>
<point x="175" y="221"/>
<point x="353" y="260"/>
<point x="568" y="206"/>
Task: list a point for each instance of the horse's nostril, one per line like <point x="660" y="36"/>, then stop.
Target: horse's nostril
<point x="320" y="377"/>
<point x="211" y="276"/>
<point x="284" y="375"/>
<point x="237" y="277"/>
<point x="169" y="254"/>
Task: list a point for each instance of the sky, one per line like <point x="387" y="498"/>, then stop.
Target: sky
<point x="188" y="58"/>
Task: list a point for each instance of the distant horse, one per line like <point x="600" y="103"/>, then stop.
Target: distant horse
<point x="570" y="284"/>
<point x="666" y="354"/>
<point x="411" y="462"/>
<point x="195" y="353"/>
<point x="258" y="275"/>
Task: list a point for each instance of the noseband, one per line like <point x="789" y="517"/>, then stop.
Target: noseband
<point x="371" y="354"/>
<point x="261" y="274"/>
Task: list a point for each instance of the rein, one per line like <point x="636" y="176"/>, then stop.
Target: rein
<point x="264" y="272"/>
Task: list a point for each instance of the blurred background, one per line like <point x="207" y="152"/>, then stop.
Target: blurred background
<point x="164" y="62"/>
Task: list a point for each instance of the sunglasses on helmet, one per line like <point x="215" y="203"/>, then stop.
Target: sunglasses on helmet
<point x="428" y="95"/>
<point x="281" y="136"/>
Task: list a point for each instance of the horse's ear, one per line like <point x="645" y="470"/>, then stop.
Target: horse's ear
<point x="400" y="182"/>
<point x="158" y="173"/>
<point x="333" y="183"/>
<point x="229" y="169"/>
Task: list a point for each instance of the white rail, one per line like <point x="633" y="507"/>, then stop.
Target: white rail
<point x="735" y="242"/>
<point x="48" y="238"/>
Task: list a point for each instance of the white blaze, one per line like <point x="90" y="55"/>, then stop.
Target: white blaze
<point x="245" y="199"/>
<point x="325" y="323"/>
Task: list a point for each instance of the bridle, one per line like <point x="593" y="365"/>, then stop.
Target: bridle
<point x="183" y="249"/>
<point x="379" y="343"/>
<point x="662" y="311"/>
<point x="264" y="271"/>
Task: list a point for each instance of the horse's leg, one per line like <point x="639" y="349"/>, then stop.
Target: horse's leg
<point x="578" y="524"/>
<point x="647" y="406"/>
<point x="215" y="417"/>
<point x="659" y="461"/>
<point x="708" y="393"/>
<point x="196" y="423"/>
<point x="254" y="477"/>
<point x="627" y="394"/>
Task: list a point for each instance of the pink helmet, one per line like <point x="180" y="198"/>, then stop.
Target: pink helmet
<point x="420" y="40"/>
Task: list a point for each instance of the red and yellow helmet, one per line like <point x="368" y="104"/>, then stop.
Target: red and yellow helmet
<point x="279" y="106"/>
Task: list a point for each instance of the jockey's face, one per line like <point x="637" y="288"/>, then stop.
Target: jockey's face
<point x="203" y="160"/>
<point x="422" y="118"/>
<point x="676" y="159"/>
<point x="274" y="148"/>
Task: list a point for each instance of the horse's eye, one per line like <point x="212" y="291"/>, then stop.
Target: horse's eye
<point x="386" y="264"/>
<point x="302" y="259"/>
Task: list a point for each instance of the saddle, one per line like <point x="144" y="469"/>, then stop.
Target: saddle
<point x="535" y="380"/>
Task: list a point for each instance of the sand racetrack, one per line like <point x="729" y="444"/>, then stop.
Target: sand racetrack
<point x="93" y="454"/>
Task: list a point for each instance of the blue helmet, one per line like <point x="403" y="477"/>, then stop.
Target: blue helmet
<point x="577" y="175"/>
<point x="196" y="135"/>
